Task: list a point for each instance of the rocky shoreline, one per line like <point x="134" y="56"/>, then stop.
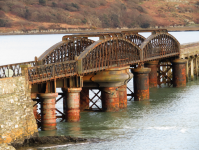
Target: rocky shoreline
<point x="46" y="140"/>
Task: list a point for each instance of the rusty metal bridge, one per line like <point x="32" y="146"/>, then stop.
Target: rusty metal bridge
<point x="77" y="55"/>
<point x="77" y="64"/>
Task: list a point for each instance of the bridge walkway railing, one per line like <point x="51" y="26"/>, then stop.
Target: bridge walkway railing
<point x="14" y="70"/>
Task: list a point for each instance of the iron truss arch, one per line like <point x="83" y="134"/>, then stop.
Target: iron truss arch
<point x="108" y="53"/>
<point x="65" y="51"/>
<point x="160" y="45"/>
<point x="135" y="38"/>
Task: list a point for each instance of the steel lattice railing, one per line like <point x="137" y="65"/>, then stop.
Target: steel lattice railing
<point x="52" y="71"/>
<point x="13" y="70"/>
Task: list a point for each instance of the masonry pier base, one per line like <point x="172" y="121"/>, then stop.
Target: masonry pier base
<point x="48" y="115"/>
<point x="72" y="109"/>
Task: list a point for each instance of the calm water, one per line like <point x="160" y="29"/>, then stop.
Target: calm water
<point x="168" y="121"/>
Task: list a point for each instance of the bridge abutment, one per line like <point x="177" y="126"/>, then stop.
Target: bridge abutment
<point x="153" y="73"/>
<point x="48" y="111"/>
<point x="179" y="73"/>
<point x="141" y="83"/>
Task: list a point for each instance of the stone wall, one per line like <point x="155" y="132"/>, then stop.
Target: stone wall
<point x="17" y="120"/>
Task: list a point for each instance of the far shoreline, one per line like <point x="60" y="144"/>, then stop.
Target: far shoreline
<point x="97" y="31"/>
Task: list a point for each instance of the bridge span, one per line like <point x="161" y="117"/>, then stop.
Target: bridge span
<point x="78" y="64"/>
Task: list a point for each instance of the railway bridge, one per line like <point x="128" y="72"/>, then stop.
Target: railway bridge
<point x="78" y="65"/>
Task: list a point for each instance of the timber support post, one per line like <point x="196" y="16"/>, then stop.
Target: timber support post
<point x="192" y="69"/>
<point x="187" y="70"/>
<point x="196" y="66"/>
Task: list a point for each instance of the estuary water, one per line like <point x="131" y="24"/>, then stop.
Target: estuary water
<point x="169" y="120"/>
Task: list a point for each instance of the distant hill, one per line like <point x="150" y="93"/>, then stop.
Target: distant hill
<point x="50" y="14"/>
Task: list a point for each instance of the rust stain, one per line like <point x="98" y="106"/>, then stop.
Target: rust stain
<point x="123" y="97"/>
<point x="110" y="99"/>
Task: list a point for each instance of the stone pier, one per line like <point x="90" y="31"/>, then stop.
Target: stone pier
<point x="17" y="121"/>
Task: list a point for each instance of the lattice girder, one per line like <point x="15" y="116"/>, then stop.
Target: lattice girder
<point x="135" y="38"/>
<point x="160" y="45"/>
<point x="65" y="51"/>
<point x="107" y="53"/>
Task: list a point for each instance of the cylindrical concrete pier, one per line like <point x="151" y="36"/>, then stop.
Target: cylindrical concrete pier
<point x="153" y="74"/>
<point x="48" y="115"/>
<point x="110" y="99"/>
<point x="72" y="112"/>
<point x="179" y="73"/>
<point x="84" y="99"/>
<point x="141" y="83"/>
<point x="122" y="96"/>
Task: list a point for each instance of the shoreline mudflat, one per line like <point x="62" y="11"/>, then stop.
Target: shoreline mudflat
<point x="49" y="140"/>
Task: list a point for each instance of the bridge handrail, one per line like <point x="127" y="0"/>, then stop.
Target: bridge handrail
<point x="13" y="70"/>
<point x="43" y="73"/>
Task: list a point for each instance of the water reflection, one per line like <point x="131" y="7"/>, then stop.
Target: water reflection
<point x="48" y="133"/>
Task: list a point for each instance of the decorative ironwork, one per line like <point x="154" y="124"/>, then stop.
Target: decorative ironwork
<point x="13" y="70"/>
<point x="160" y="45"/>
<point x="52" y="71"/>
<point x="76" y="54"/>
<point x="65" y="51"/>
<point x="111" y="52"/>
<point x="136" y="38"/>
<point x="65" y="69"/>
